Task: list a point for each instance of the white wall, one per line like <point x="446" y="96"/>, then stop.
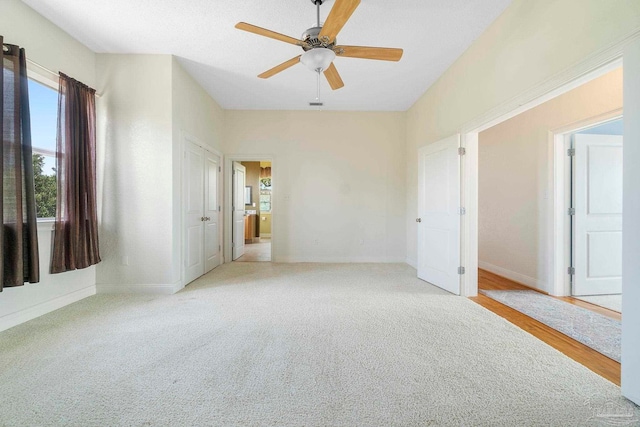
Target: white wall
<point x="515" y="194"/>
<point x="338" y="180"/>
<point x="45" y="43"/>
<point x="148" y="103"/>
<point x="631" y="225"/>
<point x="136" y="148"/>
<point x="52" y="48"/>
<point x="531" y="42"/>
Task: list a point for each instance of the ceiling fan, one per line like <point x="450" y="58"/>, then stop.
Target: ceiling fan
<point x="319" y="44"/>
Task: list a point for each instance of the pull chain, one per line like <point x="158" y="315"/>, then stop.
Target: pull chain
<point x="318" y="94"/>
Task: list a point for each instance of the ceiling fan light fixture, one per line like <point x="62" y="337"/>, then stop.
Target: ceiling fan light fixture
<point x="318" y="59"/>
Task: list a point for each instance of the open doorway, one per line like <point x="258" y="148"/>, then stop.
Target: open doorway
<point x="252" y="211"/>
<point x="549" y="214"/>
<point x="527" y="198"/>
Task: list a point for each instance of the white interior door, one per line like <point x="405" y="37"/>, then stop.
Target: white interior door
<point x="193" y="205"/>
<point x="597" y="224"/>
<point x="438" y="210"/>
<point x="239" y="173"/>
<point x="212" y="247"/>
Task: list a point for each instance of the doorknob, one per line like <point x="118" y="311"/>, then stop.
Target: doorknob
<point x="202" y="218"/>
<point x="418" y="219"/>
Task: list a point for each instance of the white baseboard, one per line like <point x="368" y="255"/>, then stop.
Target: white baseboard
<point x="151" y="289"/>
<point x="14" y="319"/>
<point x="340" y="260"/>
<point x="512" y="275"/>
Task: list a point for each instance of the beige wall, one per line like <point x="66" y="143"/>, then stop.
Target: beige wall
<point x="52" y="48"/>
<point x="194" y="111"/>
<point x="531" y="42"/>
<point x="45" y="43"/>
<point x="135" y="139"/>
<point x="338" y="181"/>
<point x="514" y="192"/>
<point x="265" y="223"/>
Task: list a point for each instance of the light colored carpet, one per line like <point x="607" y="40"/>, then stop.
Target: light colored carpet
<point x="264" y="344"/>
<point x="612" y="302"/>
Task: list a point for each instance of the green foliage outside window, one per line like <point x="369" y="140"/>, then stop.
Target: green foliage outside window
<point x="45" y="188"/>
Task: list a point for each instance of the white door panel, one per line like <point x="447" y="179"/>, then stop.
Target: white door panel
<point x="193" y="204"/>
<point x="239" y="173"/>
<point x="438" y="204"/>
<point x="200" y="192"/>
<point x="212" y="247"/>
<point x="597" y="224"/>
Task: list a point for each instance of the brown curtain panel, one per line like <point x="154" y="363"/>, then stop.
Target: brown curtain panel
<point x="75" y="242"/>
<point x="18" y="234"/>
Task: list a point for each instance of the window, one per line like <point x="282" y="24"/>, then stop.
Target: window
<point x="265" y="195"/>
<point x="43" y="106"/>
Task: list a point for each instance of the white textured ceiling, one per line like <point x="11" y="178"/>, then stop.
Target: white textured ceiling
<point x="226" y="61"/>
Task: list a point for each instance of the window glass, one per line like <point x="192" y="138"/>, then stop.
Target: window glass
<point x="265" y="195"/>
<point x="43" y="106"/>
<point x="265" y="200"/>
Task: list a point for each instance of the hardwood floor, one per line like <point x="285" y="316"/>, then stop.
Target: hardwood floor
<point x="598" y="363"/>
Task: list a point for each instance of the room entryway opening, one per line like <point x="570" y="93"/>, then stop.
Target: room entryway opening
<point x="252" y="210"/>
<point x="550" y="192"/>
<point x="550" y="215"/>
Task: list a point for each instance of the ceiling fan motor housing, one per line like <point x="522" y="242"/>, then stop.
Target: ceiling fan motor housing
<point x="312" y="41"/>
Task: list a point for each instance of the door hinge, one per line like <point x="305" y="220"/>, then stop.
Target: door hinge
<point x="462" y="151"/>
<point x="571" y="271"/>
<point x="462" y="211"/>
<point x="219" y="168"/>
<point x="219" y="247"/>
<point x="219" y="208"/>
<point x="571" y="152"/>
<point x="460" y="270"/>
<point x="571" y="211"/>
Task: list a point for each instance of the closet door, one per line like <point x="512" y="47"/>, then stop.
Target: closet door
<point x="193" y="206"/>
<point x="201" y="242"/>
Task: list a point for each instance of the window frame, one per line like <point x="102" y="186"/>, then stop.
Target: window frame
<point x="52" y="81"/>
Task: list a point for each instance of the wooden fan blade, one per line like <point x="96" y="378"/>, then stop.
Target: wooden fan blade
<point x="275" y="70"/>
<point x="339" y="15"/>
<point x="365" y="52"/>
<point x="267" y="33"/>
<point x="335" y="81"/>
